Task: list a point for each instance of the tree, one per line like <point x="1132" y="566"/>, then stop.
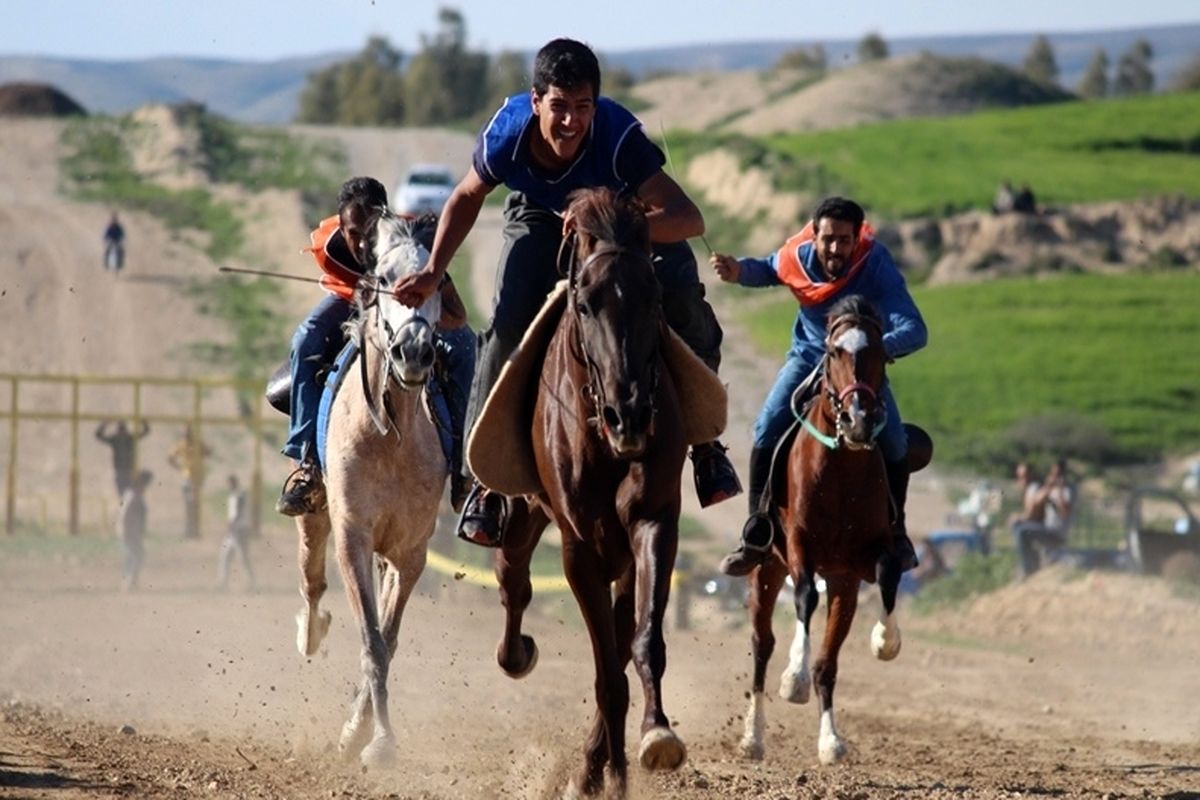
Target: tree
<point x="367" y="90"/>
<point x="445" y="81"/>
<point x="1039" y="64"/>
<point x="1094" y="84"/>
<point x="509" y="74"/>
<point x="872" y="47"/>
<point x="1134" y="75"/>
<point x="1188" y="78"/>
<point x="807" y="59"/>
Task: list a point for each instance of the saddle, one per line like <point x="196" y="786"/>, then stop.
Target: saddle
<point x="500" y="448"/>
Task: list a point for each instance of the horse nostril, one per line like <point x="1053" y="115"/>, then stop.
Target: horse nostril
<point x="427" y="357"/>
<point x="645" y="416"/>
<point x="612" y="420"/>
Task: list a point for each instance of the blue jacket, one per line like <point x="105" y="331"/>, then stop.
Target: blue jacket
<point x="617" y="154"/>
<point x="879" y="281"/>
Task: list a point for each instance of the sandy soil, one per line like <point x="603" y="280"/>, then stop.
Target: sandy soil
<point x="1066" y="687"/>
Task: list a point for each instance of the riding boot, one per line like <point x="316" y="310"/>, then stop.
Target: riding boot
<point x="759" y="530"/>
<point x="897" y="477"/>
<point x="304" y="490"/>
<point x="716" y="479"/>
<point x="484" y="517"/>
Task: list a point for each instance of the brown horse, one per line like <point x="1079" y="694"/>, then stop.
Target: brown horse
<point x="836" y="520"/>
<point x="384" y="476"/>
<point x="609" y="444"/>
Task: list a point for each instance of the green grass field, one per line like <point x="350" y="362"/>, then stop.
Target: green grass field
<point x="1069" y="152"/>
<point x="1115" y="351"/>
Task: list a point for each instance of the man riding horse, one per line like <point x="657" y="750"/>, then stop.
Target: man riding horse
<point x="543" y="145"/>
<point x="834" y="256"/>
<point x="337" y="248"/>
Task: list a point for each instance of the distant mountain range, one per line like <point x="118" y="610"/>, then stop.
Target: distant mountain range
<point x="268" y="91"/>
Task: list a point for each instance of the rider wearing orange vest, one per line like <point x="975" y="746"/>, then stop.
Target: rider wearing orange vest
<point x="318" y="339"/>
<point x="834" y="256"/>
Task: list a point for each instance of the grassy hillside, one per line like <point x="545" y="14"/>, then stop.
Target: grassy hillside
<point x="1102" y="365"/>
<point x="1069" y="152"/>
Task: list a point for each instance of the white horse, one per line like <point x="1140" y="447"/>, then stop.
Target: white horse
<point x="384" y="476"/>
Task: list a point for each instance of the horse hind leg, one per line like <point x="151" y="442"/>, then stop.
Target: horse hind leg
<point x="517" y="653"/>
<point x="312" y="624"/>
<point x="764" y="589"/>
<point x="885" y="635"/>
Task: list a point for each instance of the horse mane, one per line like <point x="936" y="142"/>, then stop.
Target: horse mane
<point x="607" y="216"/>
<point x="855" y="305"/>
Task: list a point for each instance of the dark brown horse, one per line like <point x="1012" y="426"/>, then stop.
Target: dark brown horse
<point x="609" y="444"/>
<point x="836" y="521"/>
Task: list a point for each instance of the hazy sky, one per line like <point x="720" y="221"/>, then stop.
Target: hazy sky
<point x="268" y="29"/>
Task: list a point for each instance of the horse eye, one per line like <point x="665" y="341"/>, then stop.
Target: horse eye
<point x="582" y="309"/>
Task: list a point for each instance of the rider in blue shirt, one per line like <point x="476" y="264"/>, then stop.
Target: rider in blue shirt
<point x="835" y="256"/>
<point x="542" y="145"/>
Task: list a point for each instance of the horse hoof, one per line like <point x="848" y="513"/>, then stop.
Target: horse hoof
<point x="662" y="749"/>
<point x="751" y="749"/>
<point x="885" y="642"/>
<point x="379" y="753"/>
<point x="831" y="750"/>
<point x="354" y="740"/>
<point x="310" y="631"/>
<point x="529" y="648"/>
<point x="795" y="688"/>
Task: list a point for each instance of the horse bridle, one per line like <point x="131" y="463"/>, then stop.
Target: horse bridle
<point x="837" y="397"/>
<point x="593" y="390"/>
<point x="384" y="335"/>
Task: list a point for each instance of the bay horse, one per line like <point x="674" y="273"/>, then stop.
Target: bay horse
<point x="836" y="518"/>
<point x="384" y="476"/>
<point x="609" y="445"/>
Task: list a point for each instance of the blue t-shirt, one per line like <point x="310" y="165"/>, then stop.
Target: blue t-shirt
<point x="616" y="154"/>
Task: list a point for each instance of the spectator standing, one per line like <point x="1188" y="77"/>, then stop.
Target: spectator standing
<point x="131" y="528"/>
<point x="237" y="537"/>
<point x="1046" y="517"/>
<point x="114" y="245"/>
<point x="1005" y="198"/>
<point x="188" y="457"/>
<point x="124" y="450"/>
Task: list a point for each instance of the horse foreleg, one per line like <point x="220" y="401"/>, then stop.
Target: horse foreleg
<point x="765" y="583"/>
<point x="795" y="684"/>
<point x="516" y="653"/>
<point x="606" y="742"/>
<point x="842" y="596"/>
<point x="355" y="559"/>
<point x="655" y="544"/>
<point x="885" y="635"/>
<point x="311" y="623"/>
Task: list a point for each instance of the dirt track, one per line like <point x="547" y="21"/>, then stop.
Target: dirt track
<point x="1066" y="688"/>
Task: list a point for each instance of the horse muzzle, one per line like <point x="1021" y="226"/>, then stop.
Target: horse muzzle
<point x="627" y="428"/>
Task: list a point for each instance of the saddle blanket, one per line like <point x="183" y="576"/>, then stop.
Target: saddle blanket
<point x="500" y="448"/>
<point x="333" y="382"/>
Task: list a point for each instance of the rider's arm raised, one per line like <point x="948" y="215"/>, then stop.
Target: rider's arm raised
<point x="672" y="215"/>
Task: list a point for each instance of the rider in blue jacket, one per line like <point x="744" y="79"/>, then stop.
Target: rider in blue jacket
<point x="542" y="145"/>
<point x="836" y="255"/>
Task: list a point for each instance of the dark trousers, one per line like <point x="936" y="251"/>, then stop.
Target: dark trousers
<point x="527" y="273"/>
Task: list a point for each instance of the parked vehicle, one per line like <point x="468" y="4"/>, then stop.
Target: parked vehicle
<point x="424" y="189"/>
<point x="1160" y="527"/>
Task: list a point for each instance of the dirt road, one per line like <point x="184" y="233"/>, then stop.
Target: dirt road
<point x="1065" y="688"/>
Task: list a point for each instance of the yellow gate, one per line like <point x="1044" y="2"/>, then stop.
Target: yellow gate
<point x="79" y="399"/>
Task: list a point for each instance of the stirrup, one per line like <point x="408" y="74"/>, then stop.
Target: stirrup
<point x="476" y="523"/>
<point x="714" y="474"/>
<point x="303" y="491"/>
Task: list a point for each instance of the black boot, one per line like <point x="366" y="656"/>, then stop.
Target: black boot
<point x="303" y="491"/>
<point x="484" y="517"/>
<point x="759" y="530"/>
<point x="716" y="479"/>
<point x="897" y="476"/>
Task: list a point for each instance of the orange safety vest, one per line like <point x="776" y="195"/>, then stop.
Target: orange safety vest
<point x="338" y="279"/>
<point x="807" y="291"/>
